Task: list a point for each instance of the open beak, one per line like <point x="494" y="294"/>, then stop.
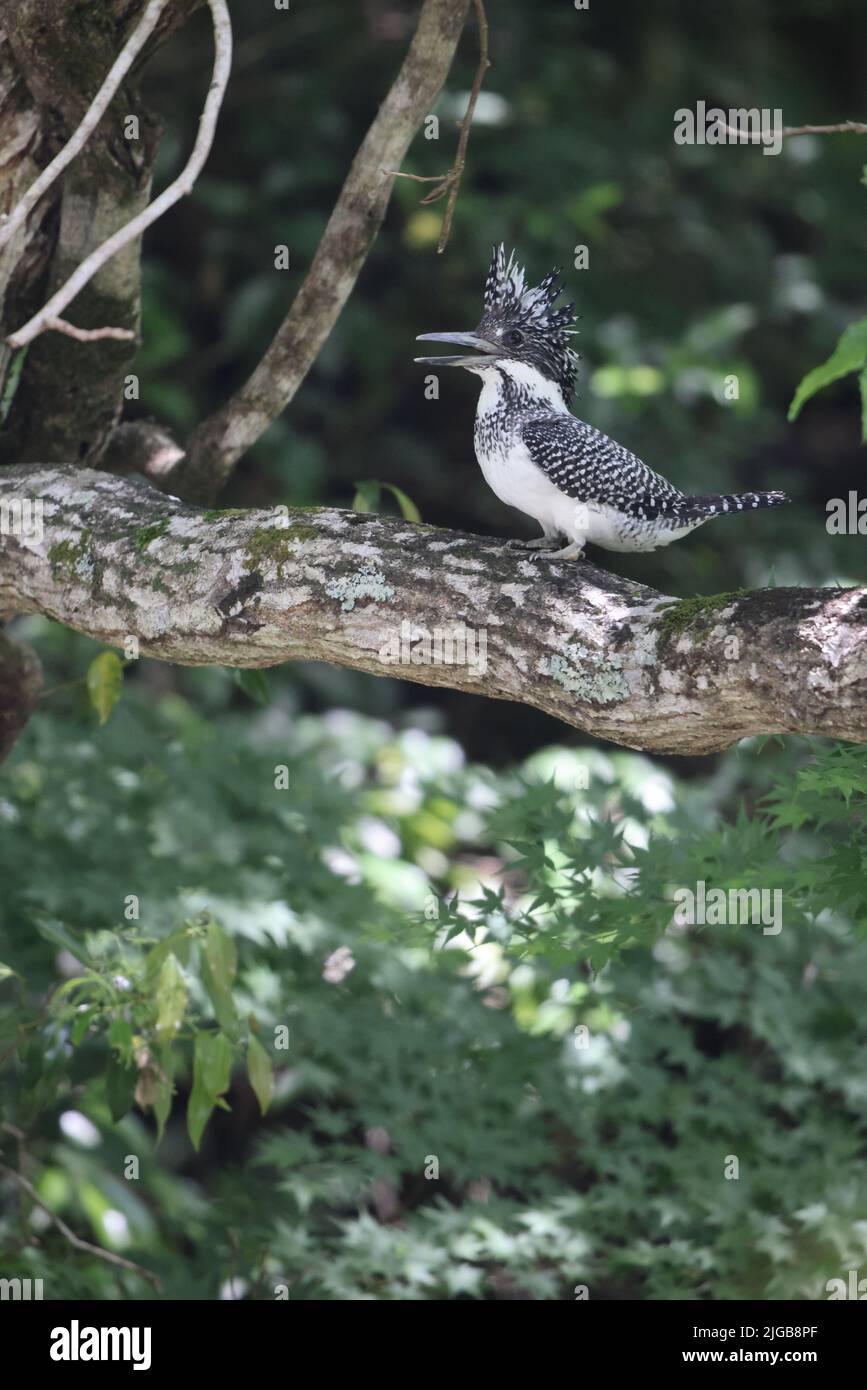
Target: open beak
<point x="483" y="350"/>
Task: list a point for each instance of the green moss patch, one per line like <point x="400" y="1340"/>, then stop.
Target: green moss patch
<point x="147" y="534"/>
<point x="273" y="545"/>
<point x="694" y="613"/>
<point x="71" y="559"/>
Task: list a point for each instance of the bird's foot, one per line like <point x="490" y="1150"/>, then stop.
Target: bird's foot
<point x="536" y="544"/>
<point x="573" y="551"/>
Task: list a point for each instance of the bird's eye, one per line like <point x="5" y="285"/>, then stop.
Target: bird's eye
<point x="513" y="338"/>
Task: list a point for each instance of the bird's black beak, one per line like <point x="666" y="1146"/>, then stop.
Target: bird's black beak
<point x="483" y="350"/>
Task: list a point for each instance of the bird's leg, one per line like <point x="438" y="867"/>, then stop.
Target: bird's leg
<point x="572" y="551"/>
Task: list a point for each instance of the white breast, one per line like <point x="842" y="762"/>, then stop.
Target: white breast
<point x="505" y="460"/>
<point x="518" y="482"/>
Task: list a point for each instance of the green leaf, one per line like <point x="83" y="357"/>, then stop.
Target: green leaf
<point x="13" y="376"/>
<point x="221" y="955"/>
<point x="409" y="511"/>
<point x="224" y="1006"/>
<point x="199" y="1108"/>
<point x="164" y="1091"/>
<point x="91" y="981"/>
<point x="366" y="497"/>
<point x="171" y="998"/>
<point x="260" y="1072"/>
<point x="862" y="382"/>
<point x="119" y="1087"/>
<point x="178" y="943"/>
<point x="255" y="684"/>
<point x="6" y="972"/>
<point x="850" y="355"/>
<point x="104" y="683"/>
<point x="81" y="1025"/>
<point x="368" y="493"/>
<point x="120" y="1036"/>
<point x="57" y="934"/>
<point x="219" y="963"/>
<point x="212" y="1063"/>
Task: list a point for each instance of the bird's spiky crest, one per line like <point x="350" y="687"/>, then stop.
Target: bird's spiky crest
<point x="510" y="304"/>
<point x="506" y="293"/>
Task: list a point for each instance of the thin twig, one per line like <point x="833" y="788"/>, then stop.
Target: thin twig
<point x="445" y="181"/>
<point x="437" y="193"/>
<point x="87" y="335"/>
<point x="457" y="173"/>
<point x="451" y="182"/>
<point x="76" y="142"/>
<point x="418" y="178"/>
<point x="844" y="128"/>
<point x="181" y="186"/>
<point x="64" y="685"/>
<point x="76" y="1241"/>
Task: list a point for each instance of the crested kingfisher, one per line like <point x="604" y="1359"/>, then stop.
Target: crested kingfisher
<point x="538" y="456"/>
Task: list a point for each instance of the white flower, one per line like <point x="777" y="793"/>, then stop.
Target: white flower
<point x="338" y="965"/>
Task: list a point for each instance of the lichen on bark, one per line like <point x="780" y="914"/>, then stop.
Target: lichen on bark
<point x="583" y="646"/>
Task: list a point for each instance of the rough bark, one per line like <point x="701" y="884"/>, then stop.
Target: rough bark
<point x="53" y="57"/>
<point x="20" y="684"/>
<point x="119" y="559"/>
<point x="220" y="441"/>
<point x="24" y="260"/>
<point x="146" y="447"/>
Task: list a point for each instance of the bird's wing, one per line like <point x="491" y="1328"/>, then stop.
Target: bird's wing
<point x="585" y="464"/>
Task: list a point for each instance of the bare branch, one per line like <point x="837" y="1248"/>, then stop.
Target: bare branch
<point x="418" y="178"/>
<point x="176" y="190"/>
<point x="219" y="442"/>
<point x="89" y="122"/>
<point x="253" y="589"/>
<point x="87" y="335"/>
<point x="143" y="446"/>
<point x="747" y="137"/>
<point x="844" y="128"/>
<point x="76" y="1241"/>
<point x="458" y="168"/>
<point x="451" y="182"/>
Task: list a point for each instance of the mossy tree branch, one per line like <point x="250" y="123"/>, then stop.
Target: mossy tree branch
<point x="608" y="656"/>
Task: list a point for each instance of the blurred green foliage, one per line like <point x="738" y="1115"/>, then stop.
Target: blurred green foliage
<point x="498" y="1069"/>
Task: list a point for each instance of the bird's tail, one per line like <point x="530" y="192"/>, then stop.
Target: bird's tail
<point x="719" y="504"/>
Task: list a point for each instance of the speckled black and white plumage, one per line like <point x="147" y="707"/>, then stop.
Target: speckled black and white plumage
<point x="546" y="330"/>
<point x="646" y="510"/>
<point x="540" y="458"/>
